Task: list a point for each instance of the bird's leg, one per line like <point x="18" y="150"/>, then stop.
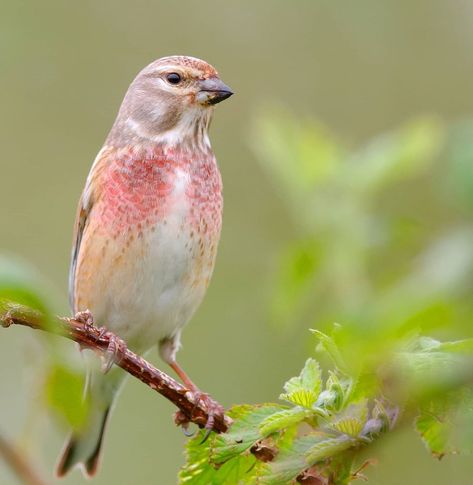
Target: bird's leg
<point x="213" y="407"/>
<point x="167" y="349"/>
<point x="183" y="376"/>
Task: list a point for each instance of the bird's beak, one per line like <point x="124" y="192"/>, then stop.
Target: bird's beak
<point x="212" y="91"/>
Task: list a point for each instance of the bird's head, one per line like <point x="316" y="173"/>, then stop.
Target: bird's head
<point x="171" y="100"/>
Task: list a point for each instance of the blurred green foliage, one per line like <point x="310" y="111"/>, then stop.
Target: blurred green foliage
<point x="21" y="283"/>
<point x="385" y="233"/>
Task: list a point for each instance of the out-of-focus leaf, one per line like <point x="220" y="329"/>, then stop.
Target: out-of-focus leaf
<point x="427" y="344"/>
<point x="300" y="154"/>
<point x="366" y="385"/>
<point x="444" y="423"/>
<point x="445" y="265"/>
<point x="64" y="395"/>
<point x="298" y="267"/>
<point x="460" y="155"/>
<point x="352" y="420"/>
<point x="395" y="156"/>
<point x="434" y="431"/>
<point x="20" y="283"/>
<point x="430" y="365"/>
<point x="458" y="346"/>
<point x="432" y="370"/>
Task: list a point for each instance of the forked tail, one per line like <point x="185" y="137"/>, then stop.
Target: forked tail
<point x="83" y="448"/>
<point x="84" y="444"/>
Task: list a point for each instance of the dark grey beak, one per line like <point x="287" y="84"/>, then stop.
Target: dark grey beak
<point x="214" y="90"/>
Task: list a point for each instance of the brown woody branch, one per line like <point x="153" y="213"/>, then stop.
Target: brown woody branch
<point x="192" y="409"/>
<point x="21" y="467"/>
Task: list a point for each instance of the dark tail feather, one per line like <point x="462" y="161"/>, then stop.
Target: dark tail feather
<point x="79" y="449"/>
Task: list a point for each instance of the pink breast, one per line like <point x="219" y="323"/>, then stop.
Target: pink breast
<point x="141" y="189"/>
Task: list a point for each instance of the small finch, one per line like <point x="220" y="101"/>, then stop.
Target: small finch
<point x="147" y="228"/>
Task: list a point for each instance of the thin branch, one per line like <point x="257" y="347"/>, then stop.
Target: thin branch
<point x="18" y="464"/>
<point x="192" y="409"/>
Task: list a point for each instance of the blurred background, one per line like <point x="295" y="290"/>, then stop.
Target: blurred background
<point x="347" y="160"/>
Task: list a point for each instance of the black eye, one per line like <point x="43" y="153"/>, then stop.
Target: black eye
<point x="173" y="78"/>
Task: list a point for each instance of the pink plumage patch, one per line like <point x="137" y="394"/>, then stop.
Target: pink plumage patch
<point x="141" y="188"/>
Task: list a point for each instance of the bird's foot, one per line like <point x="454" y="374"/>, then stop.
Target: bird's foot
<point x="116" y="347"/>
<point x="85" y="317"/>
<point x="202" y="400"/>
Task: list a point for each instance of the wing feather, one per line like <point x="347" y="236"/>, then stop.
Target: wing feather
<point x="86" y="202"/>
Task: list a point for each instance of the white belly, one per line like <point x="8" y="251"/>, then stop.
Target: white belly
<point x="154" y="294"/>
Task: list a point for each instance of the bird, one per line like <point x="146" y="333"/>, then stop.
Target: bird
<point x="147" y="229"/>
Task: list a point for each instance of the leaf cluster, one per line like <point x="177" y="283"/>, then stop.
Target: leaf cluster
<point x="326" y="422"/>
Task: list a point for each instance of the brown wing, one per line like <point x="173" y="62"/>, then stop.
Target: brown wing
<point x="80" y="224"/>
<point x="86" y="203"/>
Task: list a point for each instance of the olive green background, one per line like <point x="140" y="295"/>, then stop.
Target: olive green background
<point x="361" y="67"/>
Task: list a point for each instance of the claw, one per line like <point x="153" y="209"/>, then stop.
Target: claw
<point x="213" y="409"/>
<point x="115" y="346"/>
<point x="85" y="317"/>
<point x="207" y="434"/>
<point x="187" y="433"/>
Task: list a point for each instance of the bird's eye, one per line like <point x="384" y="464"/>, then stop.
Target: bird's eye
<point x="173" y="78"/>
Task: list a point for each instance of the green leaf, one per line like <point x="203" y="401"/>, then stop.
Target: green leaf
<point x="310" y="378"/>
<point x="283" y="419"/>
<point x="304" y="389"/>
<point x="445" y="423"/>
<point x="352" y="420"/>
<point x="224" y="458"/>
<point x="460" y="156"/>
<point x="245" y="431"/>
<point x="336" y="394"/>
<point x="428" y="344"/>
<point x="20" y="283"/>
<point x="304" y="453"/>
<point x="328" y="345"/>
<point x="366" y="385"/>
<point x="434" y="430"/>
<point x="328" y="448"/>
<point x="290" y="462"/>
<point x="395" y="156"/>
<point x="199" y="470"/>
<point x="64" y="389"/>
<point x="459" y="346"/>
<point x="298" y="267"/>
<point x="300" y="154"/>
